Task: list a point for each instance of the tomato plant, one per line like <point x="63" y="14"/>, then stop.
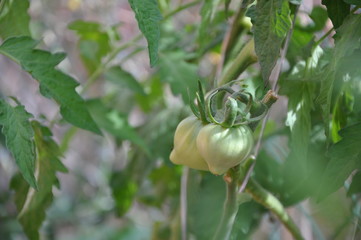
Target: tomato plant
<point x="256" y="102"/>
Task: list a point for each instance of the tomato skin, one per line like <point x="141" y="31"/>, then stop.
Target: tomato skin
<point x="185" y="150"/>
<point x="223" y="148"/>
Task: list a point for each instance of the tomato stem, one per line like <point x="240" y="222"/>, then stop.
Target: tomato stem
<point x="244" y="59"/>
<point x="231" y="113"/>
<point x="230" y="208"/>
<point x="258" y="108"/>
<point x="265" y="198"/>
<point x="240" y="114"/>
<point x="268" y="200"/>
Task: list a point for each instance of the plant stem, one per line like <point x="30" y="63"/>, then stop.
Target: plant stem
<point x="233" y="177"/>
<point x="269" y="201"/>
<point x="69" y="134"/>
<point x="266" y="199"/>
<point x="278" y="67"/>
<point x="181" y="8"/>
<point x="323" y="37"/>
<point x="231" y="112"/>
<point x="244" y="59"/>
<point x="230" y="208"/>
<point x="230" y="39"/>
<point x="331" y="30"/>
<point x="269" y="99"/>
<point x="183" y="202"/>
<point x="102" y="67"/>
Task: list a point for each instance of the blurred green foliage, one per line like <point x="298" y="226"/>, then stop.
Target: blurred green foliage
<point x="121" y="185"/>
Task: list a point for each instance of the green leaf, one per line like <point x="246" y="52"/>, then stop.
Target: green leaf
<point x="350" y="64"/>
<point x="181" y="76"/>
<point x="159" y="130"/>
<point x="319" y="17"/>
<point x="355" y="186"/>
<point x="226" y="6"/>
<point x="124" y="190"/>
<point x="15" y="20"/>
<point x="154" y="94"/>
<point x="337" y="119"/>
<point x="296" y="2"/>
<point x="124" y="79"/>
<point x="19" y="138"/>
<point x="345" y="157"/>
<point x="115" y="123"/>
<point x="94" y="42"/>
<point x="207" y="13"/>
<point x="353" y="2"/>
<point x="337" y="11"/>
<point x="148" y="16"/>
<point x="166" y="181"/>
<point x="300" y="105"/>
<point x="53" y="83"/>
<point x="32" y="204"/>
<point x="300" y="88"/>
<point x="271" y="25"/>
<point x="301" y="45"/>
<point x="340" y="113"/>
<point x="165" y="185"/>
<point x="247" y="219"/>
<point x="205" y="198"/>
<point x="346" y="46"/>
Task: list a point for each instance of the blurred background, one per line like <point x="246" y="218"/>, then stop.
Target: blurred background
<point x="113" y="189"/>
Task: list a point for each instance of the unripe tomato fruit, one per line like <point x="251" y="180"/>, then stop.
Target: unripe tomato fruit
<point x="223" y="148"/>
<point x="185" y="150"/>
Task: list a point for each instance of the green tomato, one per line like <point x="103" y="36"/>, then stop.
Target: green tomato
<point x="223" y="148"/>
<point x="185" y="150"/>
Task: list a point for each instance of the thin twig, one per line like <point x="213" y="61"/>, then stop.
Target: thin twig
<point x="103" y="67"/>
<point x="276" y="73"/>
<point x="183" y="202"/>
<point x="319" y="41"/>
<point x="278" y="67"/>
<point x="255" y="154"/>
<point x="180" y="8"/>
<point x="230" y="38"/>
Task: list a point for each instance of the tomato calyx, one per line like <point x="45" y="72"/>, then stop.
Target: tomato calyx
<point x="237" y="108"/>
<point x="199" y="110"/>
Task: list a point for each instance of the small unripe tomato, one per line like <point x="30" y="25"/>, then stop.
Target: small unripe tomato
<point x="185" y="150"/>
<point x="223" y="148"/>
